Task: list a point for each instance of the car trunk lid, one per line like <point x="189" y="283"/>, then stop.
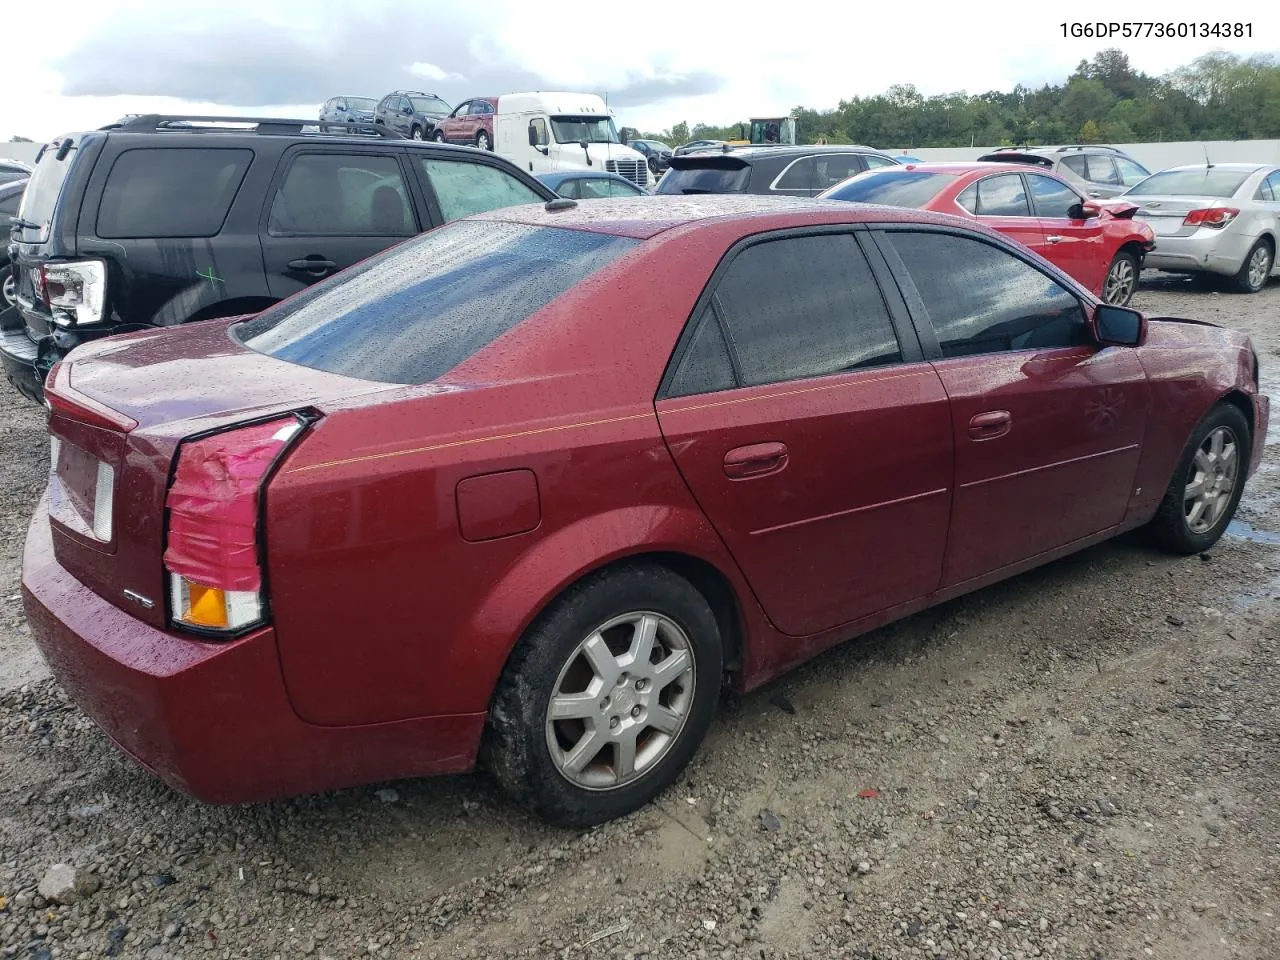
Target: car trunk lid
<point x="119" y="411"/>
<point x="1165" y="215"/>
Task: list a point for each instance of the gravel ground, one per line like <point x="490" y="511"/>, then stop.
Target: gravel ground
<point x="1078" y="763"/>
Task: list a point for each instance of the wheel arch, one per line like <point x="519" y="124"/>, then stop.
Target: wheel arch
<point x="236" y="307"/>
<point x="1244" y="403"/>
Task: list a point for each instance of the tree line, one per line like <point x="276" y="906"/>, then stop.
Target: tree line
<point x="1219" y="96"/>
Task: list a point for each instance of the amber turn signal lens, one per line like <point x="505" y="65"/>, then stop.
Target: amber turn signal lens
<point x="208" y="607"/>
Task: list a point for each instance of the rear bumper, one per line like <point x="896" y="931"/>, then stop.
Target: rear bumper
<point x="18" y="355"/>
<point x="213" y="719"/>
<point x="1205" y="251"/>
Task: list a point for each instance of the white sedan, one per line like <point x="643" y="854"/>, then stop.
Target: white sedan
<point x="1219" y="218"/>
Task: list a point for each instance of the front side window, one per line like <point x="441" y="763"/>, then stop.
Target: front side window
<point x="1002" y="196"/>
<point x="538" y="127"/>
<point x="463" y="188"/>
<point x="329" y="194"/>
<point x="1050" y="197"/>
<point x="170" y="192"/>
<point x="981" y="299"/>
<point x="461" y="110"/>
<point x="803" y="307"/>
<point x="414" y="312"/>
<point x="1130" y="172"/>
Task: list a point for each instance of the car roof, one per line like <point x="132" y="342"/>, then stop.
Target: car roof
<point x="787" y="150"/>
<point x="644" y="217"/>
<point x="962" y="166"/>
<point x="1251" y="167"/>
<point x="560" y="176"/>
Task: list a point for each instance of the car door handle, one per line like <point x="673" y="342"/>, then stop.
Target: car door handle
<point x="1054" y="238"/>
<point x="756" y="460"/>
<point x="989" y="425"/>
<point x="314" y="264"/>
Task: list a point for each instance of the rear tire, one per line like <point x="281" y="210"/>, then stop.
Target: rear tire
<point x="639" y="716"/>
<point x="482" y="141"/>
<point x="8" y="287"/>
<point x="1122" y="280"/>
<point x="1198" y="481"/>
<point x="1256" y="269"/>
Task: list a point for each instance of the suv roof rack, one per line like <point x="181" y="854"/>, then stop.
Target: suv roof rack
<point x="1089" y="146"/>
<point x="155" y="122"/>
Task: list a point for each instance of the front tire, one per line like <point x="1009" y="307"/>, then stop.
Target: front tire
<point x="1122" y="280"/>
<point x="1207" y="483"/>
<point x="1256" y="269"/>
<point x="416" y="133"/>
<point x="438" y="137"/>
<point x="607" y="696"/>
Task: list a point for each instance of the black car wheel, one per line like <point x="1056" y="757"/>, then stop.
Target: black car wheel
<point x="438" y="137"/>
<point x="416" y="134"/>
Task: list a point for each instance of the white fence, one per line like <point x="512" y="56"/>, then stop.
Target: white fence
<point x="1153" y="156"/>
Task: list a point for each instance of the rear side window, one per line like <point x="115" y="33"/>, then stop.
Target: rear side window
<point x="332" y="194"/>
<point x="1102" y="170"/>
<point x="1002" y="196"/>
<point x="705" y="366"/>
<point x="708" y="178"/>
<point x="804" y="307"/>
<point x="413" y="312"/>
<point x="464" y="188"/>
<point x="1076" y="165"/>
<point x="981" y="299"/>
<point x="820" y="172"/>
<point x="170" y="192"/>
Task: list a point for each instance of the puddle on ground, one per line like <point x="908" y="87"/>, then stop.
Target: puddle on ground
<point x="1246" y="531"/>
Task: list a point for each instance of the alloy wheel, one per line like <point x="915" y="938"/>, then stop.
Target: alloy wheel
<point x="482" y="141"/>
<point x="417" y="133"/>
<point x="620" y="701"/>
<point x="1259" y="266"/>
<point x="1120" y="282"/>
<point x="10" y="290"/>
<point x="1212" y="480"/>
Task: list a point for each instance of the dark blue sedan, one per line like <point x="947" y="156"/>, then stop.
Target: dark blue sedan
<point x="589" y="185"/>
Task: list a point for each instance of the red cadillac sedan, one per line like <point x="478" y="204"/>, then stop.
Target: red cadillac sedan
<point x="1097" y="242"/>
<point x="542" y="480"/>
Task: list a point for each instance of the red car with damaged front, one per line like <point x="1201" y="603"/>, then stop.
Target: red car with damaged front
<point x="543" y="479"/>
<point x="1095" y="241"/>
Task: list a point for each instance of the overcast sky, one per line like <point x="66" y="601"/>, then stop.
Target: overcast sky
<point x="74" y="64"/>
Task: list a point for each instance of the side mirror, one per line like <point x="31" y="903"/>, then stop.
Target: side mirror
<point x="1118" y="326"/>
<point x="533" y="136"/>
<point x="1083" y="211"/>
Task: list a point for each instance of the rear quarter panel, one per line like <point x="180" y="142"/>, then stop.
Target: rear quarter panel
<point x="1191" y="367"/>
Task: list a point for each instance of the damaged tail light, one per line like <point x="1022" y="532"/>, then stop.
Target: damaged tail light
<point x="73" y="290"/>
<point x="212" y="559"/>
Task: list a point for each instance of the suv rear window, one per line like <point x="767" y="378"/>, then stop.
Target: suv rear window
<point x="41" y="196"/>
<point x="705" y="175"/>
<point x="170" y="192"/>
<point x="414" y="312"/>
<point x="895" y="188"/>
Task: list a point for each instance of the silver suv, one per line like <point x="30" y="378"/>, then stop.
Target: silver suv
<point x="1096" y="170"/>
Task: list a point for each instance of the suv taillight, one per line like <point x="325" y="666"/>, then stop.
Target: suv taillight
<point x="73" y="290"/>
<point x="1210" y="217"/>
<point x="212" y="558"/>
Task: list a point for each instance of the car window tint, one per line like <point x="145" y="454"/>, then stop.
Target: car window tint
<point x="170" y="192"/>
<point x="873" y="162"/>
<point x="1050" y="197"/>
<point x="1002" y="196"/>
<point x="832" y="169"/>
<point x="804" y="307"/>
<point x="1076" y="165"/>
<point x="982" y="299"/>
<point x="1102" y="170"/>
<point x="1273" y="182"/>
<point x="968" y="198"/>
<point x="1130" y="172"/>
<point x="338" y="195"/>
<point x="800" y="175"/>
<point x="705" y="366"/>
<point x="463" y="188"/>
<point x="714" y="176"/>
<point x="1264" y="192"/>
<point x="415" y="311"/>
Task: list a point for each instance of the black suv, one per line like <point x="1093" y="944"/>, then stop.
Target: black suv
<point x="147" y="224"/>
<point x="802" y="171"/>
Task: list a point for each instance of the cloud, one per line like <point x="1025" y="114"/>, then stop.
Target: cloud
<point x="432" y="72"/>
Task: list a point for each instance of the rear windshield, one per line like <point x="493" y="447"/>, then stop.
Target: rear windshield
<point x="708" y="178"/>
<point x="170" y="192"/>
<point x="412" y="313"/>
<point x="896" y="188"/>
<point x="1016" y="158"/>
<point x="41" y="196"/>
<point x="1196" y="182"/>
